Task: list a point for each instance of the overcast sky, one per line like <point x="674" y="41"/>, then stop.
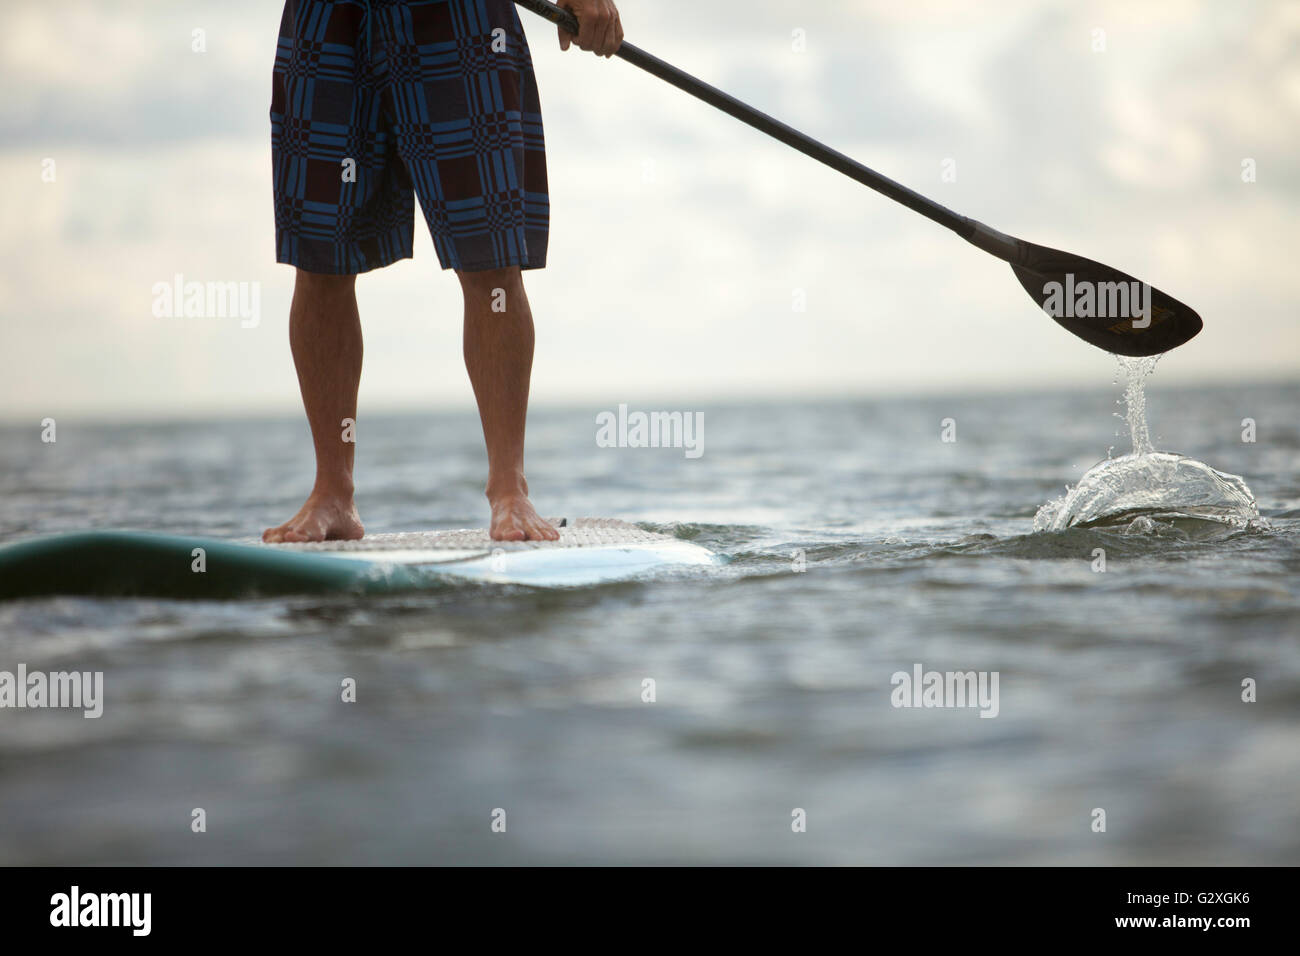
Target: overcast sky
<point x="679" y="236"/>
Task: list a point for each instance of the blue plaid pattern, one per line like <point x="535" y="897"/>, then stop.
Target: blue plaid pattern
<point x="414" y="93"/>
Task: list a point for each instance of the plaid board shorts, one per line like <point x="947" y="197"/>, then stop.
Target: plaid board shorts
<point x="414" y="92"/>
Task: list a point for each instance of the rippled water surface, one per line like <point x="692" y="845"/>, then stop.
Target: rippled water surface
<point x="1120" y="689"/>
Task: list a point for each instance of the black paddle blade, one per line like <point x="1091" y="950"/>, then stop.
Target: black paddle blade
<point x="1103" y="306"/>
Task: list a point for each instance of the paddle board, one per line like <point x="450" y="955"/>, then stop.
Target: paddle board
<point x="134" y="563"/>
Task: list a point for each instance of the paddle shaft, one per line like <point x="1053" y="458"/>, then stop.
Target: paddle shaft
<point x="990" y="240"/>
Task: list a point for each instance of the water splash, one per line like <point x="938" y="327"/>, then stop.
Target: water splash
<point x="1145" y="487"/>
<point x="1137" y="491"/>
<point x="1135" y="372"/>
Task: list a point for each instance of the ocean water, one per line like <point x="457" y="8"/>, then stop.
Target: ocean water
<point x="862" y="545"/>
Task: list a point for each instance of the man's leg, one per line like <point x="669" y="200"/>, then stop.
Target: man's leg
<point x="325" y="336"/>
<point x="499" y="357"/>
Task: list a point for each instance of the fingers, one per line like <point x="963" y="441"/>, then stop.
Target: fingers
<point x="610" y="38"/>
<point x="589" y="21"/>
<point x="566" y="38"/>
<point x="599" y="29"/>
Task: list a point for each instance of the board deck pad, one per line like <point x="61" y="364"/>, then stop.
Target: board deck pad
<point x="133" y="563"/>
<point x="414" y="546"/>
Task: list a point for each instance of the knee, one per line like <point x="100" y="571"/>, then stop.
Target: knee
<point x="321" y="283"/>
<point x="485" y="283"/>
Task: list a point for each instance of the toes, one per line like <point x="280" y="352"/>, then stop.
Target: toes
<point x="317" y="523"/>
<point x="539" y="530"/>
<point x="515" y="520"/>
<point x="508" y="532"/>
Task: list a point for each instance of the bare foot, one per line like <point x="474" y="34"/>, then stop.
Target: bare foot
<point x="324" y="517"/>
<point x="515" y="519"/>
